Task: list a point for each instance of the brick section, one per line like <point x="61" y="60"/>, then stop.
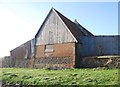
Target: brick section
<point x="32" y="61"/>
<point x="63" y="55"/>
<point x="40" y="51"/>
<point x="64" y="49"/>
<point x="53" y="62"/>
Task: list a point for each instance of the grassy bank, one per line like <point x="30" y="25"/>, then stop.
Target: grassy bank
<point x="22" y="76"/>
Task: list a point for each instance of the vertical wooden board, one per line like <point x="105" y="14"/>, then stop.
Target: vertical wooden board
<point x="54" y="31"/>
<point x="22" y="52"/>
<point x="32" y="47"/>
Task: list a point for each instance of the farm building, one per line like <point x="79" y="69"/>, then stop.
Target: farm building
<point x="61" y="43"/>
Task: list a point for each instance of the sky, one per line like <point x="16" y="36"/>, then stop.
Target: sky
<point x="20" y="21"/>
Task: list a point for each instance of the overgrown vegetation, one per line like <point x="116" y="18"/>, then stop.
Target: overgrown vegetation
<point x="24" y="76"/>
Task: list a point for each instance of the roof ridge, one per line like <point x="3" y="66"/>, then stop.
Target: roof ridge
<point x="63" y="15"/>
<point x="84" y="30"/>
<point x="71" y="26"/>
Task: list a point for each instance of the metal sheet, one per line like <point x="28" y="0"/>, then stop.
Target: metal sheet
<point x="99" y="45"/>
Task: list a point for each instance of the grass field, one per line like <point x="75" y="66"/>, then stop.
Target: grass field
<point x="24" y="76"/>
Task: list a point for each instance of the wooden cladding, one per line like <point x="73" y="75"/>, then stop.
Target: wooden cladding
<point x="53" y="31"/>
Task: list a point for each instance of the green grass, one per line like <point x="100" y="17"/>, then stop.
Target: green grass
<point x="24" y="76"/>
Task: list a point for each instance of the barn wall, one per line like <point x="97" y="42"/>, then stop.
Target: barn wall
<point x="56" y="56"/>
<point x="6" y="62"/>
<point x="104" y="61"/>
<point x="23" y="51"/>
<point x="54" y="31"/>
<point x="21" y="55"/>
<point x="78" y="59"/>
<point x="99" y="45"/>
<point x="40" y="51"/>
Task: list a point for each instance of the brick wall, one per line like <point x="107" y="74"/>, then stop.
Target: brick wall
<point x="55" y="56"/>
<point x="40" y="51"/>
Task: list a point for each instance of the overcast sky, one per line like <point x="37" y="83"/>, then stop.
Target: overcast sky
<point x="20" y="21"/>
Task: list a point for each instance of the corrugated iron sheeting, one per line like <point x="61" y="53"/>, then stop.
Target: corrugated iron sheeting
<point x="100" y="45"/>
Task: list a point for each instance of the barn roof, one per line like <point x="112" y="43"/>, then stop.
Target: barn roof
<point x="75" y="28"/>
<point x="27" y="42"/>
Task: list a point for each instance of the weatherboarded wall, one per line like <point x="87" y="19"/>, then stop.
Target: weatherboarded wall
<point x="23" y="51"/>
<point x="21" y="55"/>
<point x="53" y="31"/>
<point x="100" y="45"/>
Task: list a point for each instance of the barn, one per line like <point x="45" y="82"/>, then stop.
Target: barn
<point x="62" y="43"/>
